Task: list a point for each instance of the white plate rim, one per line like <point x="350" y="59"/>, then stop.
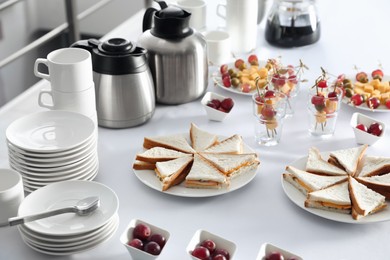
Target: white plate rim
<point x="52" y="116"/>
<point x="75" y="190"/>
<point x="298" y="199"/>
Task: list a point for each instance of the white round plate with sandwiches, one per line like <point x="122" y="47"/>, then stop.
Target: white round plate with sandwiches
<point x="299" y="198"/>
<point x="226" y="166"/>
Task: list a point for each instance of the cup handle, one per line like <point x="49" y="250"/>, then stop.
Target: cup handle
<point x="37" y="72"/>
<point x="40" y="101"/>
<point x="219" y="13"/>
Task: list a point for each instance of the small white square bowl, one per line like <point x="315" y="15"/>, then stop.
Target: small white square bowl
<point x="268" y="248"/>
<point x="212" y="113"/>
<point x="201" y="235"/>
<point x="361" y="136"/>
<point x="135" y="253"/>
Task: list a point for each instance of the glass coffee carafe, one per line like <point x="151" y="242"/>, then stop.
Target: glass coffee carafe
<point x="292" y="23"/>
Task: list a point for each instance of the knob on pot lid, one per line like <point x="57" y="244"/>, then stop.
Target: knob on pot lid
<point x="172" y="12"/>
<point x="117" y="46"/>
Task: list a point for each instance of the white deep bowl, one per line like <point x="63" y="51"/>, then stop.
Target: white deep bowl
<point x="361" y="136"/>
<point x="214" y="114"/>
<point x="268" y="248"/>
<point x="135" y="253"/>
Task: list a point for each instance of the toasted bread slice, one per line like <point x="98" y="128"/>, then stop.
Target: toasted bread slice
<point x="200" y="139"/>
<point x="334" y="198"/>
<point x="364" y="200"/>
<point x="378" y="183"/>
<point x="232" y="145"/>
<point x="232" y="165"/>
<point x="204" y="175"/>
<point x="176" y="142"/>
<point x="373" y="165"/>
<point x="159" y="154"/>
<point x="140" y="165"/>
<point x="349" y="158"/>
<point x="173" y="172"/>
<point x="308" y="182"/>
<point x="316" y="164"/>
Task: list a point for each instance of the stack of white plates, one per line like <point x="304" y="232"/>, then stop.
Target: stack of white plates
<point x="69" y="233"/>
<point x="53" y="146"/>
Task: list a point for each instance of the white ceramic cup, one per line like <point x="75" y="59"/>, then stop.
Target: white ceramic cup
<point x="83" y="102"/>
<point x="241" y="23"/>
<point x="218" y="47"/>
<point x="197" y="8"/>
<point x="11" y="193"/>
<point x="70" y="69"/>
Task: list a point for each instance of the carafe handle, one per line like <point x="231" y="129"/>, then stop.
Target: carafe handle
<point x="147" y="22"/>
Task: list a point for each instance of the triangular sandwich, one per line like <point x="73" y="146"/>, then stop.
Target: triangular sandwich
<point x="140" y="165"/>
<point x="233" y="165"/>
<point x="201" y="139"/>
<point x="308" y="182"/>
<point x="173" y="172"/>
<point x="159" y="154"/>
<point x="373" y="165"/>
<point x="204" y="175"/>
<point x="334" y="198"/>
<point x="364" y="200"/>
<point x="232" y="145"/>
<point x="316" y="164"/>
<point x="378" y="183"/>
<point x="176" y="142"/>
<point x="348" y="159"/>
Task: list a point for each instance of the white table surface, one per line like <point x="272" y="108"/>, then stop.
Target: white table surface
<point x="353" y="33"/>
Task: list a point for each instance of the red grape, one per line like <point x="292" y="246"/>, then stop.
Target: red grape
<point x="224" y="252"/>
<point x="239" y="63"/>
<point x="226" y="82"/>
<point x="377" y="74"/>
<point x="274" y="256"/>
<point x="246" y="87"/>
<point x="268" y="112"/>
<point x="142" y="232"/>
<point x="357" y="99"/>
<point x="219" y="257"/>
<point x="137" y="243"/>
<point x="269" y="94"/>
<point x="318" y="100"/>
<point x="322" y="84"/>
<point x="362" y="77"/>
<point x="159" y="239"/>
<point x="209" y="244"/>
<point x="333" y="95"/>
<point x="216" y="102"/>
<point x="201" y="253"/>
<point x="224" y="69"/>
<point x="253" y="60"/>
<point x="227" y="104"/>
<point x="152" y="248"/>
<point x="293" y="79"/>
<point x="375" y="129"/>
<point x="373" y="102"/>
<point x="362" y="127"/>
<point x="388" y="103"/>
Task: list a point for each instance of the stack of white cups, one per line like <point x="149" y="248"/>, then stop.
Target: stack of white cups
<point x="71" y="79"/>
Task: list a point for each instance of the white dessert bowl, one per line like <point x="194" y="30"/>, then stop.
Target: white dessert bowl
<point x="127" y="236"/>
<point x="212" y="113"/>
<point x="363" y="137"/>
<point x="221" y="243"/>
<point x="266" y="249"/>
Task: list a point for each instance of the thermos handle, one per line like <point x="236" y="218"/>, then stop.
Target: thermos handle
<point x="147" y="22"/>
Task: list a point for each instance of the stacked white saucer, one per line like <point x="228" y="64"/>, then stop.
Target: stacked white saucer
<point x="69" y="233"/>
<point x="53" y="146"/>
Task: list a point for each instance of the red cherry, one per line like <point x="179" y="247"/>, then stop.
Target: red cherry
<point x="362" y="127"/>
<point x="322" y="84"/>
<point x="373" y="102"/>
<point x="362" y="77"/>
<point x="141" y="232"/>
<point x="375" y="129"/>
<point x="201" y="253"/>
<point x="239" y="63"/>
<point x="224" y="69"/>
<point x="388" y="103"/>
<point x="253" y="60"/>
<point x="269" y="94"/>
<point x="137" y="243"/>
<point x="318" y="100"/>
<point x="377" y="74"/>
<point x="357" y="99"/>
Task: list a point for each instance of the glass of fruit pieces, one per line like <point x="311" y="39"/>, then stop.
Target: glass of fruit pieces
<point x="367" y="130"/>
<point x="144" y="240"/>
<point x="217" y="106"/>
<point x="206" y="245"/>
<point x="323" y="105"/>
<point x="269" y="109"/>
<point x="286" y="79"/>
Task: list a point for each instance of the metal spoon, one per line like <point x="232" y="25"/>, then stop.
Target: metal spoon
<point x="82" y="208"/>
